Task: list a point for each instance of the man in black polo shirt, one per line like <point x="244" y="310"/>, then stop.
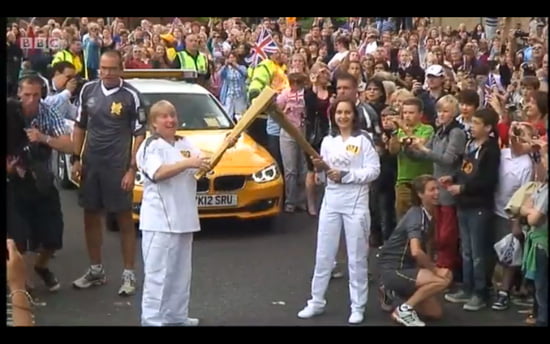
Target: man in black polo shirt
<point x="406" y="267"/>
<point x="109" y="115"/>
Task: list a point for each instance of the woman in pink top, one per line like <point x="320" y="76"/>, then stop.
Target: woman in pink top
<point x="292" y="103"/>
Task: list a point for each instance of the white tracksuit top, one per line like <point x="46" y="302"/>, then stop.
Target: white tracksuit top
<point x="168" y="205"/>
<point x="360" y="164"/>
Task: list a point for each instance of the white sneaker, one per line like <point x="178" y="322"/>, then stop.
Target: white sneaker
<point x="408" y="318"/>
<point x="91" y="278"/>
<point x="191" y="322"/>
<point x="128" y="286"/>
<point x="310" y="311"/>
<point x="355" y="318"/>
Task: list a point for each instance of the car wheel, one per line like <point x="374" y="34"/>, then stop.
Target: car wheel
<point x="61" y="173"/>
<point x="111" y="222"/>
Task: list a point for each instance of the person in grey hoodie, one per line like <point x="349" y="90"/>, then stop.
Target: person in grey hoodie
<point x="445" y="149"/>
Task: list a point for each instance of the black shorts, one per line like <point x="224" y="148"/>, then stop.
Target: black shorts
<point x="402" y="282"/>
<point x="36" y="222"/>
<point x="17" y="228"/>
<point x="100" y="189"/>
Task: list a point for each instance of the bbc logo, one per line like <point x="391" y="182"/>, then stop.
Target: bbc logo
<point x="42" y="43"/>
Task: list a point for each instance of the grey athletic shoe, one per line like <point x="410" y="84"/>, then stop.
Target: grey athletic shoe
<point x="90" y="278"/>
<point x="474" y="304"/>
<point x="128" y="286"/>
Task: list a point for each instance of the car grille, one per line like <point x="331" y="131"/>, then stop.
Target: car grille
<point x="229" y="183"/>
<point x="202" y="185"/>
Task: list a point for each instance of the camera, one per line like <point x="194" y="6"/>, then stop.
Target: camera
<point x="520" y="34"/>
<point x="511" y="107"/>
<point x="408" y="141"/>
<point x="517" y="131"/>
<point x="80" y="81"/>
<point x="34" y="156"/>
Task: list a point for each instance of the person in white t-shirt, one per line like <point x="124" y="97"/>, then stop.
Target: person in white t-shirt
<point x="342" y="46"/>
<point x="515" y="170"/>
<point x="168" y="218"/>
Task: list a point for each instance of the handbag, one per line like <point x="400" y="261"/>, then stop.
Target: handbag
<point x="509" y="251"/>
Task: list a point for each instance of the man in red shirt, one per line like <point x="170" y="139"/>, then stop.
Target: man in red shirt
<point x="138" y="60"/>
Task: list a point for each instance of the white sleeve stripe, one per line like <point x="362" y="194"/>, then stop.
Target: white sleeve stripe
<point x="135" y="95"/>
<point x="138" y="126"/>
<point x="79" y="110"/>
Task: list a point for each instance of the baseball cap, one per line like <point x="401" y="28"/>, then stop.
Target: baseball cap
<point x="435" y="70"/>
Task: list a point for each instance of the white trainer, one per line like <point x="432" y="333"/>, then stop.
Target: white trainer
<point x="407" y="317"/>
<point x="128" y="286"/>
<point x="355" y="318"/>
<point x="310" y="311"/>
<point x="191" y="322"/>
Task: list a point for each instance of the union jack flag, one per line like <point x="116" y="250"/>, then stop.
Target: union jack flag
<point x="488" y="89"/>
<point x="263" y="46"/>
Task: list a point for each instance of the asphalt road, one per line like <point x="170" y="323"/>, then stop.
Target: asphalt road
<point x="242" y="276"/>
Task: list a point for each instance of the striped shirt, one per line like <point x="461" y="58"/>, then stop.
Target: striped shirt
<point x="9" y="312"/>
<point x="60" y="101"/>
<point x="49" y="121"/>
<point x="466" y="126"/>
<point x="491" y="21"/>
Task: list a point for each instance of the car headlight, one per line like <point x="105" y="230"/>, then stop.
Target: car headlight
<point x="139" y="178"/>
<point x="266" y="175"/>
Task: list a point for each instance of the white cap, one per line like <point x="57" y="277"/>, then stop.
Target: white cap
<point x="435" y="70"/>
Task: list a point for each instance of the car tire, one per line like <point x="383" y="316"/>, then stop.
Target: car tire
<point x="61" y="173"/>
<point x="111" y="223"/>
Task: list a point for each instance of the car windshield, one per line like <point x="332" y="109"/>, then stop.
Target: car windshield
<point x="195" y="111"/>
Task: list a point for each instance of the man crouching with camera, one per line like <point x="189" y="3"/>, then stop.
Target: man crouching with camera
<point x="36" y="129"/>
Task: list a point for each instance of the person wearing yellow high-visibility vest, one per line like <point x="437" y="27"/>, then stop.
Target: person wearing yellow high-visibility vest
<point x="192" y="58"/>
<point x="269" y="72"/>
<point x="73" y="55"/>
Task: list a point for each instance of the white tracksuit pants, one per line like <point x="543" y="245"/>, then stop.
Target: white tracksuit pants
<point x="167" y="282"/>
<point x="357" y="228"/>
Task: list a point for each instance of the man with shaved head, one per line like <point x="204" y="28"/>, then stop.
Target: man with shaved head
<point x="192" y="58"/>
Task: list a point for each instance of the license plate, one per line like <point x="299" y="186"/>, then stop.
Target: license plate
<point x="207" y="201"/>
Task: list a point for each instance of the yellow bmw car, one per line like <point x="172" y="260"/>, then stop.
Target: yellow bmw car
<point x="246" y="184"/>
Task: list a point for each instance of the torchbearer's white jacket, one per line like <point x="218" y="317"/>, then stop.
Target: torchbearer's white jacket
<point x="359" y="163"/>
<point x="168" y="205"/>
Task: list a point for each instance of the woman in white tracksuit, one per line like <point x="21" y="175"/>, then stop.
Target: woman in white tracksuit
<point x="350" y="163"/>
<point x="168" y="218"/>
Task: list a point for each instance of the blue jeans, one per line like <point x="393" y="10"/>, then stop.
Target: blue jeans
<point x="474" y="225"/>
<point x="541" y="287"/>
<point x="274" y="148"/>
